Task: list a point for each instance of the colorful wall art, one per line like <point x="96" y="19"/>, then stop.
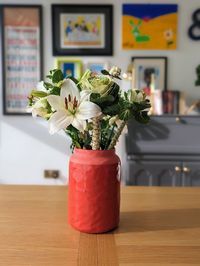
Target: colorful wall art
<point x="149" y="26"/>
<point x="21" y="38"/>
<point x="69" y="67"/>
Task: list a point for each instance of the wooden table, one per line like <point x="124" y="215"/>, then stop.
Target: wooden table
<point x="159" y="226"/>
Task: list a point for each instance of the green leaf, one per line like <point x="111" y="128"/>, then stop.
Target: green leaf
<point x="111" y="110"/>
<point x="197" y="83"/>
<point x="57" y="76"/>
<point x="53" y="70"/>
<point x="39" y="94"/>
<point x="108" y="98"/>
<point x="47" y="85"/>
<point x="105" y="72"/>
<point x="116" y="77"/>
<point x="55" y="90"/>
<point x="49" y="76"/>
<point x="125" y="115"/>
<point x="115" y="90"/>
<point x="74" y="79"/>
<point x="141" y="106"/>
<point x="142" y="117"/>
<point x="94" y="96"/>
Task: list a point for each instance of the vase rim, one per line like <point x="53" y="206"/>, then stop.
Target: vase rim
<point x="77" y="150"/>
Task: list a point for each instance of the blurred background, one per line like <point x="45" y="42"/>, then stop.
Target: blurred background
<point x="27" y="149"/>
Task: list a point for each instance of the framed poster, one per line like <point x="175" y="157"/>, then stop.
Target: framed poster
<point x="149" y="26"/>
<point x="82" y="29"/>
<point x="149" y="73"/>
<point x="70" y="67"/>
<point x="96" y="67"/>
<point x="21" y="35"/>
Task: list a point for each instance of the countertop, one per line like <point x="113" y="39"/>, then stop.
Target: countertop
<point x="159" y="226"/>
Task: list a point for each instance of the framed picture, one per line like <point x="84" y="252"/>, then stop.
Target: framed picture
<point x="149" y="73"/>
<point x="70" y="67"/>
<point x="21" y="38"/>
<point x="96" y="67"/>
<point x="149" y="26"/>
<point x="82" y="29"/>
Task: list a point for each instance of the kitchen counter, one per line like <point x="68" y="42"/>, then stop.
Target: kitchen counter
<point x="159" y="226"/>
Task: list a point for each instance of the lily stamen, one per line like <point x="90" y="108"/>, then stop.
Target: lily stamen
<point x="75" y="103"/>
<point x="66" y="103"/>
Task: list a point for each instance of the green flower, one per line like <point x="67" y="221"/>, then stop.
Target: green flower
<point x="96" y="83"/>
<point x="136" y="96"/>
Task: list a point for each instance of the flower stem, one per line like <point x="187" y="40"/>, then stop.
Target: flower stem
<point x="116" y="136"/>
<point x="96" y="133"/>
<point x="109" y="138"/>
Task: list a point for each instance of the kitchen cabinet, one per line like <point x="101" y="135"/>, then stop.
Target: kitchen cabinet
<point x="164" y="153"/>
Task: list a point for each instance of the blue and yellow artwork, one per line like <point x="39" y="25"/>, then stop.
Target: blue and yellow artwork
<point x="69" y="67"/>
<point x="149" y="26"/>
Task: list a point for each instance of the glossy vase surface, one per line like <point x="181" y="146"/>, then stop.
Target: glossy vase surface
<point x="94" y="190"/>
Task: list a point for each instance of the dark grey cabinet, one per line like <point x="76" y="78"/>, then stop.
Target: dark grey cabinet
<point x="164" y="153"/>
<point x="191" y="174"/>
<point x="154" y="173"/>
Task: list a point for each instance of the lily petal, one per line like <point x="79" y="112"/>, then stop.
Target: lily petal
<point x="59" y="120"/>
<point x="88" y="110"/>
<point x="69" y="88"/>
<point x="40" y="86"/>
<point x="85" y="95"/>
<point x="56" y="102"/>
<point x="79" y="124"/>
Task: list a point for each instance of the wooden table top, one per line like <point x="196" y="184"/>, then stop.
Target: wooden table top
<point x="159" y="226"/>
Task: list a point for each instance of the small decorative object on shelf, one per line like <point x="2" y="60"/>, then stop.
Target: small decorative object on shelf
<point x="93" y="111"/>
<point x="171" y="102"/>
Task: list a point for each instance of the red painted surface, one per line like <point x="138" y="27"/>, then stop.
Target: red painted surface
<point x="94" y="190"/>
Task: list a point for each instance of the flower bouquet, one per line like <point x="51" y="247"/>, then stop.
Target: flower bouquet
<point x="93" y="112"/>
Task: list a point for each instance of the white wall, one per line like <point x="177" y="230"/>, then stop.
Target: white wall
<point x="26" y="148"/>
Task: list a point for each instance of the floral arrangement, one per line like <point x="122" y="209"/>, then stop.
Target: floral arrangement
<point x="93" y="111"/>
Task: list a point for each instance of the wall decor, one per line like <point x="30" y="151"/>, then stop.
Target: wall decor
<point x="21" y="36"/>
<point x="149" y="26"/>
<point x="149" y="73"/>
<point x="194" y="29"/>
<point x="82" y="29"/>
<point x="70" y="67"/>
<point x="96" y="67"/>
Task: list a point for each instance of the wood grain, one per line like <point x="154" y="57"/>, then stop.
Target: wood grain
<point x="159" y="226"/>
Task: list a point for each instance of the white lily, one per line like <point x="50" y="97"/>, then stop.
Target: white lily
<point x="40" y="86"/>
<point x="39" y="108"/>
<point x="72" y="108"/>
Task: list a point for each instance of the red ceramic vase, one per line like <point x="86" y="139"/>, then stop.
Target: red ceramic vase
<point x="94" y="190"/>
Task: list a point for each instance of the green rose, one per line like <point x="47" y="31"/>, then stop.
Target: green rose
<point x="96" y="83"/>
<point x="136" y="96"/>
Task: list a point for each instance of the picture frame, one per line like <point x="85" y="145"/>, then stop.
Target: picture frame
<point x="96" y="67"/>
<point x="149" y="72"/>
<point x="22" y="52"/>
<point x="82" y="29"/>
<point x="161" y="31"/>
<point x="70" y="67"/>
